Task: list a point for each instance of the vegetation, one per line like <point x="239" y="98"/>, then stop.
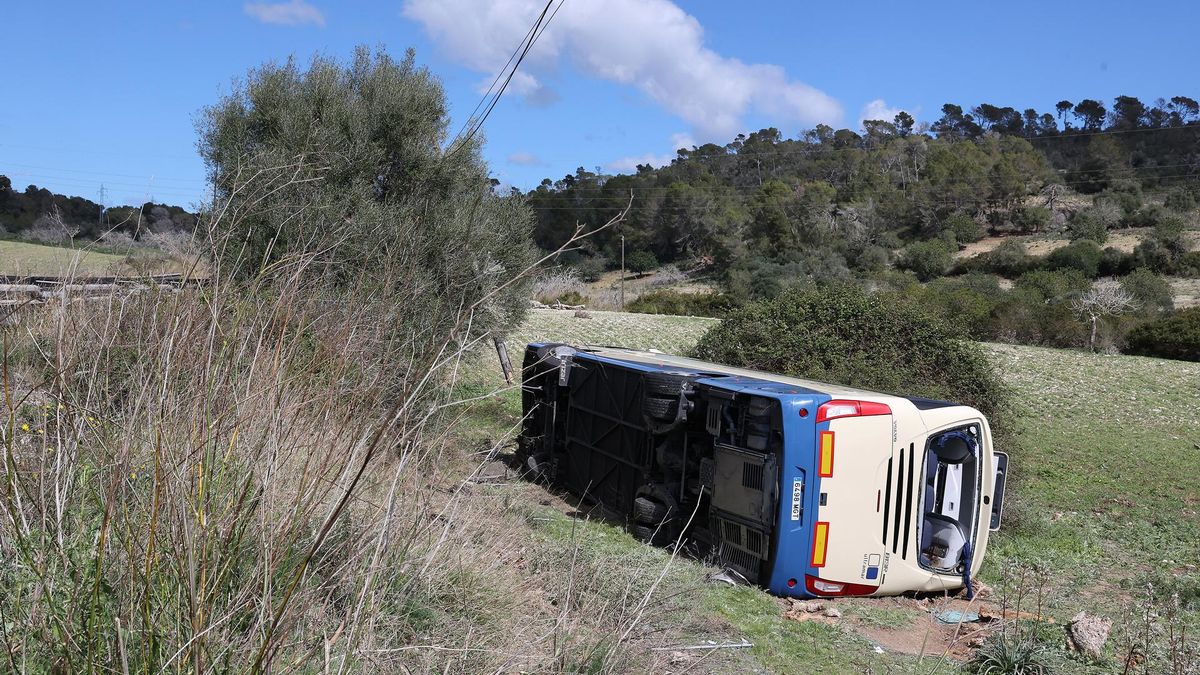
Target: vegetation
<point x="844" y="335"/>
<point x="342" y="168"/>
<point x="682" y="304"/>
<point x="235" y="477"/>
<point x="763" y="208"/>
<point x="1175" y="337"/>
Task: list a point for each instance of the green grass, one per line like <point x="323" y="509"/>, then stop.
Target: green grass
<point x="21" y="258"/>
<point x="1104" y="495"/>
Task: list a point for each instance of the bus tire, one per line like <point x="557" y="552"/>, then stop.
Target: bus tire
<point x="649" y="511"/>
<point x="658" y="536"/>
<point x="662" y="409"/>
<point x="663" y="384"/>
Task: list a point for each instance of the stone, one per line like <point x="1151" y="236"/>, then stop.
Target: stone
<point x="1087" y="634"/>
<point x="833" y="613"/>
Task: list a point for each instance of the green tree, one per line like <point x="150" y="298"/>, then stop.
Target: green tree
<point x="345" y="167"/>
<point x="640" y="262"/>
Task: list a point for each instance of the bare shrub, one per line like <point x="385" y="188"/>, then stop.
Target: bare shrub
<point x="49" y="228"/>
<point x="668" y="275"/>
<point x="554" y="283"/>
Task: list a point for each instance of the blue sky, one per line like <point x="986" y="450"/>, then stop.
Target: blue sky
<point x="106" y="93"/>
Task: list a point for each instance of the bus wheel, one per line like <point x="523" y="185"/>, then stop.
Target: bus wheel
<point x="649" y="511"/>
<point x="663" y="409"/>
<point x="658" y="536"/>
<point x="663" y="384"/>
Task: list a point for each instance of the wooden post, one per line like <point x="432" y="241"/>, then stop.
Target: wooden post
<point x="505" y="364"/>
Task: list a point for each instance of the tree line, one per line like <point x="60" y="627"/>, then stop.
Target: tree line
<point x="763" y="209"/>
<point x="35" y="208"/>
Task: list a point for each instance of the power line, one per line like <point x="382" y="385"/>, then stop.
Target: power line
<point x="107" y="173"/>
<point x="530" y="39"/>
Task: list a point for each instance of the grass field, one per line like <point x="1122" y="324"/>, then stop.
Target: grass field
<point x="24" y="258"/>
<point x="1104" y="506"/>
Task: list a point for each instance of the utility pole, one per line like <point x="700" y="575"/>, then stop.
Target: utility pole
<point x="622" y="272"/>
<point x="100" y="217"/>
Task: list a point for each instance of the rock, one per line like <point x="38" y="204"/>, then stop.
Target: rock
<point x="581" y="314"/>
<point x="809" y="607"/>
<point x="1087" y="634"/>
<point x="833" y="613"/>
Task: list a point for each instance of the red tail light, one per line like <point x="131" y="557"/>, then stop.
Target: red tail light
<point x="844" y="408"/>
<point x="827" y="588"/>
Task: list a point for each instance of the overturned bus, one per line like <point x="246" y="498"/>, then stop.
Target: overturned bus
<point x="805" y="488"/>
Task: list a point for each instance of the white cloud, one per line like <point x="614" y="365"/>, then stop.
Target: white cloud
<point x="651" y="45"/>
<point x="878" y="110"/>
<point x="630" y="164"/>
<point x="525" y="159"/>
<point x="292" y="13"/>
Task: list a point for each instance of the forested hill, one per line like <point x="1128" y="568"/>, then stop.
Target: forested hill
<point x="33" y="210"/>
<point x="833" y="202"/>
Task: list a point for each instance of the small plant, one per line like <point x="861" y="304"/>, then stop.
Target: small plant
<point x="1008" y="655"/>
<point x="1017" y="649"/>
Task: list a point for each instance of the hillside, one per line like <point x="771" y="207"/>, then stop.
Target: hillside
<point x="1095" y="432"/>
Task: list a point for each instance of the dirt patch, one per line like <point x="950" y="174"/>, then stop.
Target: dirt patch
<point x="1187" y="292"/>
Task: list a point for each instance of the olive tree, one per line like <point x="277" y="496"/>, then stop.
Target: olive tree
<point x="348" y="170"/>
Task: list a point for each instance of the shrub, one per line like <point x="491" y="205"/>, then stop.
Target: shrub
<point x="1114" y="262"/>
<point x="553" y="284"/>
<point x="1054" y="284"/>
<point x="591" y="269"/>
<point x="1181" y="200"/>
<point x="967" y="301"/>
<point x="640" y="262"/>
<point x="1009" y="259"/>
<point x="1148" y="216"/>
<point x="1031" y="218"/>
<point x="926" y="259"/>
<point x="682" y="304"/>
<point x="1127" y="202"/>
<point x="343" y="166"/>
<point x="1174" y="337"/>
<point x="965" y="228"/>
<point x="1152" y="292"/>
<point x="1082" y="255"/>
<point x="1088" y="225"/>
<point x="845" y="335"/>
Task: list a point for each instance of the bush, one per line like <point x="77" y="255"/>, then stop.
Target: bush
<point x="1009" y="260"/>
<point x="342" y="166"/>
<point x="926" y="259"/>
<point x="1127" y="202"/>
<point x="682" y="304"/>
<point x="1031" y="218"/>
<point x="1152" y="292"/>
<point x="1083" y="255"/>
<point x="845" y="335"/>
<point x="591" y="269"/>
<point x="1175" y="337"/>
<point x="965" y="228"/>
<point x="1181" y="200"/>
<point x="1148" y="216"/>
<point x="967" y="301"/>
<point x="1087" y="225"/>
<point x="1114" y="262"/>
<point x="1054" y="284"/>
<point x="640" y="262"/>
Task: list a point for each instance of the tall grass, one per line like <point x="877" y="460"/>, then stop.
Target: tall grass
<point x="253" y="476"/>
